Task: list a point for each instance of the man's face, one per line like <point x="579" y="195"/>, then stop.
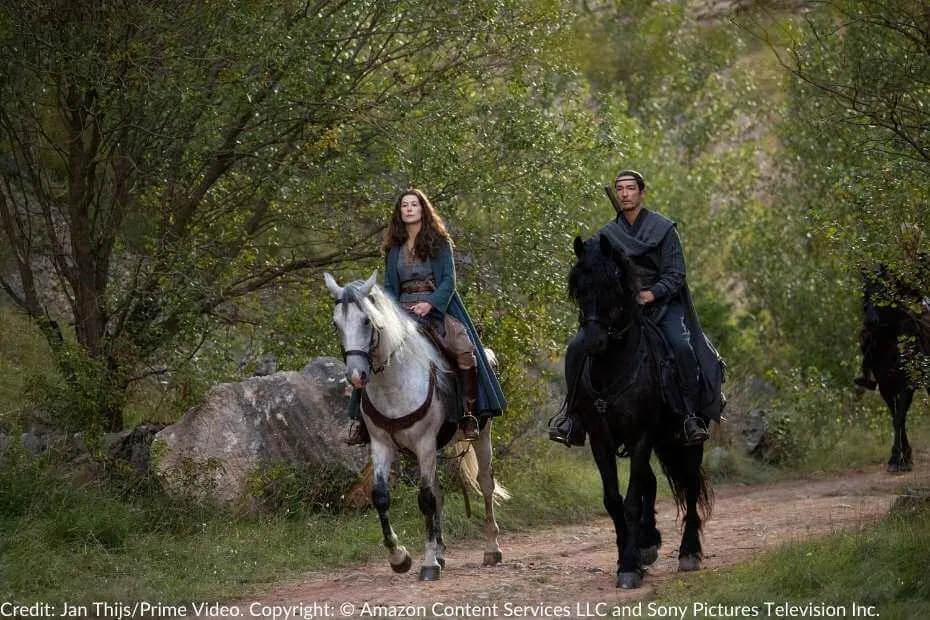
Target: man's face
<point x="628" y="193"/>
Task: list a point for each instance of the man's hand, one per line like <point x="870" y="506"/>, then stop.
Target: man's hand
<point x="645" y="297"/>
<point x="422" y="308"/>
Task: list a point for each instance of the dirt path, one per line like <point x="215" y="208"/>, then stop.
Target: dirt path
<point x="568" y="565"/>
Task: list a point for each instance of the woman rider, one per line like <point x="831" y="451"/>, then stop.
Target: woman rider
<point x="420" y="275"/>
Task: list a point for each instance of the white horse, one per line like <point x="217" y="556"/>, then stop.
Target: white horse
<point x="407" y="390"/>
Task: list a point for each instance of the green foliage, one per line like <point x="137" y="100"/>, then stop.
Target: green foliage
<point x="221" y="169"/>
<point x="829" y="571"/>
<point x="849" y="177"/>
<point x="231" y="164"/>
<point x="286" y="490"/>
<point x="24" y="358"/>
<point x="144" y="545"/>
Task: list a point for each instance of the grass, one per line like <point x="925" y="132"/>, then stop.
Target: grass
<point x="23" y="354"/>
<point x="883" y="568"/>
<point x="61" y="539"/>
<point x="140" y="545"/>
<point x="53" y="536"/>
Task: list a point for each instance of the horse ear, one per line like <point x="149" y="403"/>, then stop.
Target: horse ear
<point x="369" y="284"/>
<point x="606" y="247"/>
<point x="334" y="289"/>
<point x="578" y="246"/>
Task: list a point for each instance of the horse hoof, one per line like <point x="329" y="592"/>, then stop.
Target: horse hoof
<point x="629" y="581"/>
<point x="492" y="558"/>
<point x="430" y="573"/>
<point x="690" y="562"/>
<point x="404" y="565"/>
<point x="648" y="555"/>
<point x="897" y="468"/>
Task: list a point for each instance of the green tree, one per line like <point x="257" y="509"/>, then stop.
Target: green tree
<point x="163" y="160"/>
<point x="850" y="181"/>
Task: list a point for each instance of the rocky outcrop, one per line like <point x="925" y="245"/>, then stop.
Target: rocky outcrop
<point x="284" y="422"/>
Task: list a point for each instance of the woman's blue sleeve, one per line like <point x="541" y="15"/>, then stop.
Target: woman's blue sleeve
<point x="444" y="274"/>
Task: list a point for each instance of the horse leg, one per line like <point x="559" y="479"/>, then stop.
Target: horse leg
<point x="606" y="462"/>
<point x="901" y="459"/>
<point x="430" y="503"/>
<point x="483" y="452"/>
<point x="649" y="537"/>
<point x="382" y="455"/>
<point x="690" y="553"/>
<point x="630" y="572"/>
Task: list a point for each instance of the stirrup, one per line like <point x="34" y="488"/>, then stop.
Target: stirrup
<point x="469" y="427"/>
<point x="694" y="433"/>
<point x="568" y="436"/>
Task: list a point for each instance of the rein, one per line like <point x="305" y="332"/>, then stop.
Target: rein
<point x="613" y="332"/>
<point x="623" y="382"/>
<point x="377" y="418"/>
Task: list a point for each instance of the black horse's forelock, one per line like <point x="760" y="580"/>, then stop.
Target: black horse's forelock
<point x="609" y="278"/>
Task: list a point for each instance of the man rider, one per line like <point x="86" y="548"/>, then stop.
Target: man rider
<point x="652" y="243"/>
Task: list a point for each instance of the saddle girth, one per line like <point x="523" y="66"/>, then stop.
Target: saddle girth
<point x="392" y="425"/>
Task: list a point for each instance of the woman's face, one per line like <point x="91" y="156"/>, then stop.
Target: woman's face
<point x="411" y="211"/>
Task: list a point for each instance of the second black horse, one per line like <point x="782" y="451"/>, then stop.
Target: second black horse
<point x="895" y="343"/>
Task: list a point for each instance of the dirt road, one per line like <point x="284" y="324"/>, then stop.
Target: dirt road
<point x="572" y="565"/>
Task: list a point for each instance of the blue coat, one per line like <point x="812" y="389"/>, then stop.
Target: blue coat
<point x="445" y="299"/>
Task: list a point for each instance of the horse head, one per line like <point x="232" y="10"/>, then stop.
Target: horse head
<point x="602" y="285"/>
<point x="355" y="328"/>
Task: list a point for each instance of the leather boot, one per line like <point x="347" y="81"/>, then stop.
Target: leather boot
<point x="355" y="433"/>
<point x="469" y="423"/>
<point x="695" y="430"/>
<point x="565" y="429"/>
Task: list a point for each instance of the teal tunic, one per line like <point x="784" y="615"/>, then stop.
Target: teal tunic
<point x="445" y="299"/>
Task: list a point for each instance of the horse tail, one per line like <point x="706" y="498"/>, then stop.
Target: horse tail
<point x="680" y="466"/>
<point x="469" y="467"/>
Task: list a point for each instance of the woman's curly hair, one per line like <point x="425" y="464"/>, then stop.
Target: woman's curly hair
<point x="432" y="229"/>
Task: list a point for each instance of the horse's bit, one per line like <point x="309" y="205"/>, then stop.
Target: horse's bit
<point x="613" y="332"/>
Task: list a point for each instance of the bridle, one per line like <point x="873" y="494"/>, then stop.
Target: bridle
<point x="613" y="332"/>
<point x="373" y="344"/>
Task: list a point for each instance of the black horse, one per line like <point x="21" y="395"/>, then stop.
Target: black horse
<point x="895" y="343"/>
<point x="614" y="388"/>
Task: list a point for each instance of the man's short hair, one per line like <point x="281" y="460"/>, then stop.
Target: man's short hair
<point x="631" y="174"/>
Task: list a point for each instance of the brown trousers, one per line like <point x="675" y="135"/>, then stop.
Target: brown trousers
<point x="456" y="341"/>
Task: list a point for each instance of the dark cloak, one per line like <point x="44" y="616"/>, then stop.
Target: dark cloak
<point x="648" y="237"/>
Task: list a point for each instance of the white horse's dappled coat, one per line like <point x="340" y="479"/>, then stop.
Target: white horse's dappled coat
<point x="392" y="360"/>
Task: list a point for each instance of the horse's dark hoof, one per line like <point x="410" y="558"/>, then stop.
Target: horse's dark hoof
<point x="648" y="555"/>
<point x="430" y="573"/>
<point x="492" y="558"/>
<point x="690" y="562"/>
<point x="898" y="468"/>
<point x="404" y="565"/>
<point x="629" y="581"/>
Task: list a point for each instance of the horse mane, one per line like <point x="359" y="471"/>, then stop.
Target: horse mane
<point x="398" y="332"/>
<point x="611" y="277"/>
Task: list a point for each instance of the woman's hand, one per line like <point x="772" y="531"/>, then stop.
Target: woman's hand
<point x="422" y="308"/>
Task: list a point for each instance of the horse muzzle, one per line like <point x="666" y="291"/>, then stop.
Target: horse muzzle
<point x="358" y="379"/>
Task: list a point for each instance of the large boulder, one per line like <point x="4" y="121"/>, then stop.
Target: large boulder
<point x="282" y="423"/>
